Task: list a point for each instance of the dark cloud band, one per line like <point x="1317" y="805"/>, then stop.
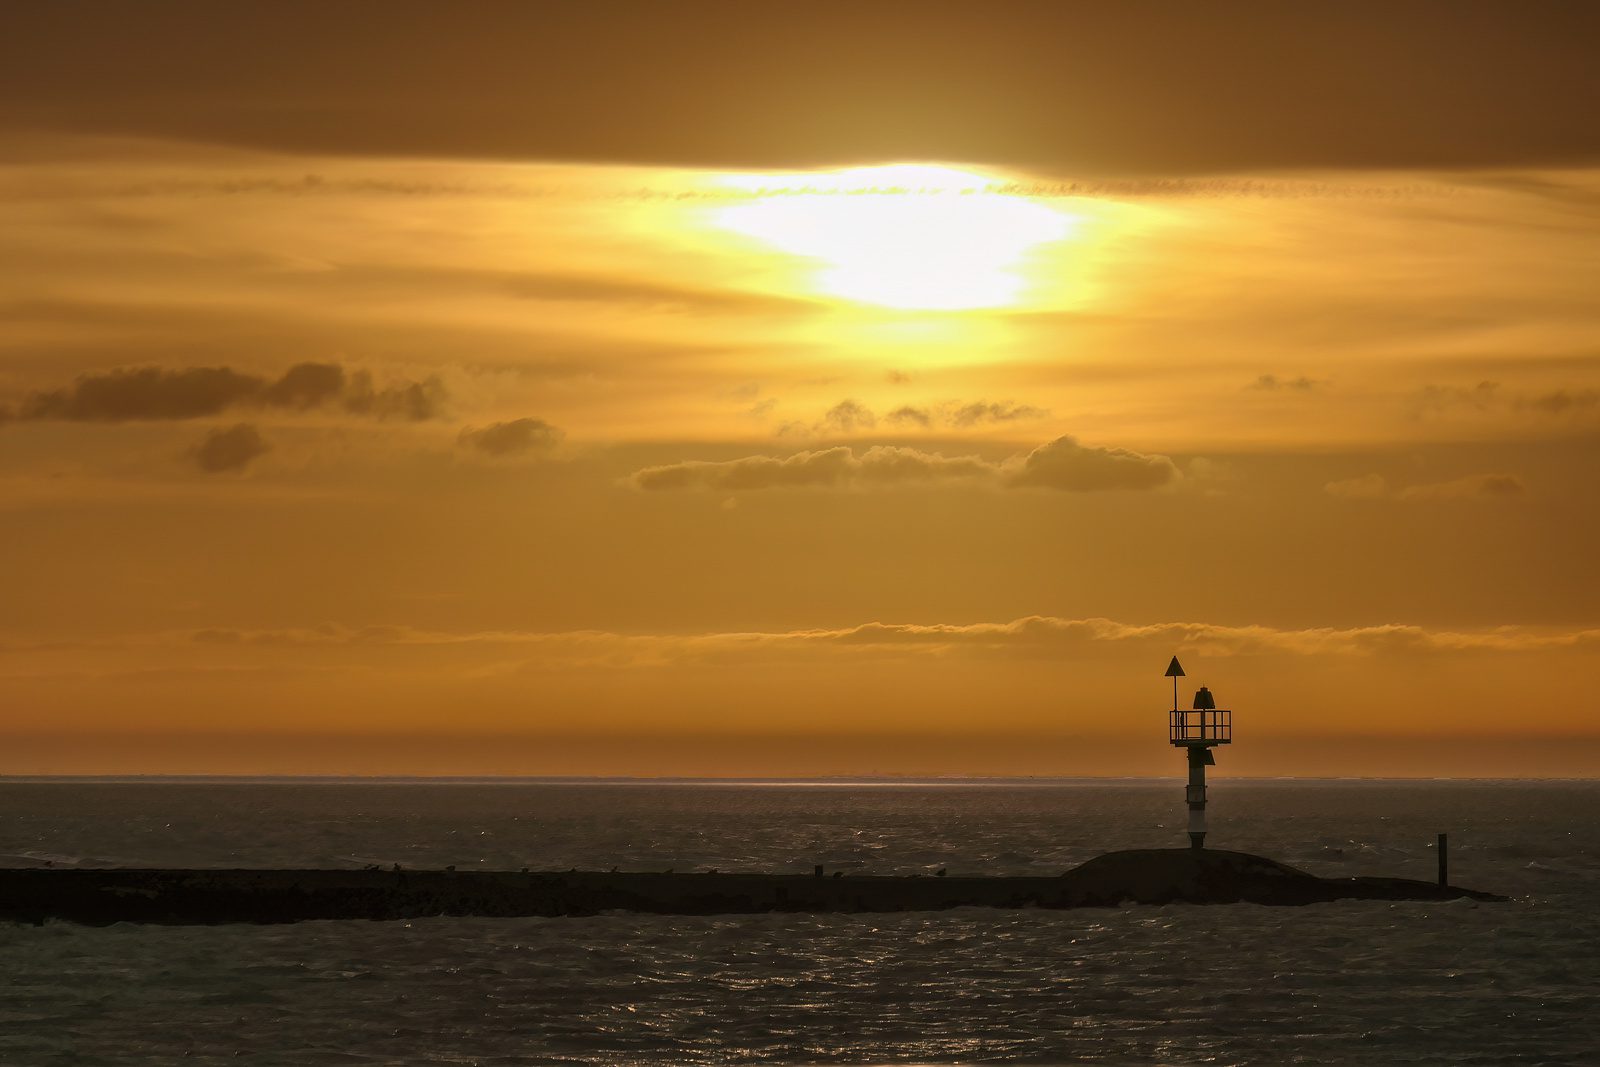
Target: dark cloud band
<point x="1178" y="88"/>
<point x="155" y="393"/>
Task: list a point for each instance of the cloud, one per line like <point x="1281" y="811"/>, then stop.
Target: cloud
<point x="887" y="465"/>
<point x="1047" y="634"/>
<point x="155" y="393"/>
<point x="575" y="288"/>
<point x="233" y="448"/>
<point x="847" y="416"/>
<point x="1272" y="383"/>
<point x="415" y="401"/>
<point x="1489" y="396"/>
<point x="1033" y="636"/>
<point x="983" y="411"/>
<point x="1366" y="487"/>
<point x="1065" y="464"/>
<point x="1376" y="487"/>
<point x="1444" y="397"/>
<point x="909" y="414"/>
<point x="145" y="393"/>
<point x="1061" y="464"/>
<point x="305" y="385"/>
<point x="551" y="286"/>
<point x="1204" y="469"/>
<point x="850" y="416"/>
<point x="519" y="437"/>
<point x="828" y="468"/>
<point x="1562" y="401"/>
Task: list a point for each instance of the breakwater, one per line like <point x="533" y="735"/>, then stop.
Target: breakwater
<point x="211" y="896"/>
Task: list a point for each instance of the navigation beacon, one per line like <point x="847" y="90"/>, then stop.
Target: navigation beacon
<point x="1199" y="730"/>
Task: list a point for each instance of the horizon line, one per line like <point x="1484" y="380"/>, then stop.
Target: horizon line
<point x="802" y="780"/>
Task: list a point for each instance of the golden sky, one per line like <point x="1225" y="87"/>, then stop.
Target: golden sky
<point x="699" y="389"/>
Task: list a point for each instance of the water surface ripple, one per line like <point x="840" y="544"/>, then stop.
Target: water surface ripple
<point x="1347" y="982"/>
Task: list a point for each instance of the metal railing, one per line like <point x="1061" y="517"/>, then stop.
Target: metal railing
<point x="1212" y="726"/>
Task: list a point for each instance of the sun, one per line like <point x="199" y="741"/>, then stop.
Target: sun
<point x="911" y="236"/>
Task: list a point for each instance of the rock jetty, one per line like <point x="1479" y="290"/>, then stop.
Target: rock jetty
<point x="205" y="896"/>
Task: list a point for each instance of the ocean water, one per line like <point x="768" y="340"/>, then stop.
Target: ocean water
<point x="1341" y="983"/>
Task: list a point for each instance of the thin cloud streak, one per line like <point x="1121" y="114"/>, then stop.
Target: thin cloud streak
<point x="1033" y="636"/>
<point x="1474" y="486"/>
<point x="1062" y="464"/>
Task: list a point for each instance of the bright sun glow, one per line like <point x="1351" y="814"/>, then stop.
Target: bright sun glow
<point x="909" y="236"/>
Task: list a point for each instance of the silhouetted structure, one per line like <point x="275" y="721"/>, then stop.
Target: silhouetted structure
<point x="1148" y="876"/>
<point x="1197" y="730"/>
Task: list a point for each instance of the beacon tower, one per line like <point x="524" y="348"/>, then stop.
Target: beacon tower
<point x="1198" y="730"/>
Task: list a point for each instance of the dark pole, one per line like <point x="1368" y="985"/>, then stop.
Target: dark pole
<point x="1444" y="859"/>
<point x="1197" y="797"/>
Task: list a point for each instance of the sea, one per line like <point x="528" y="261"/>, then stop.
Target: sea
<point x="1355" y="982"/>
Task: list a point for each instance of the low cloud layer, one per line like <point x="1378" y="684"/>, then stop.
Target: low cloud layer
<point x="517" y="438"/>
<point x="156" y="393"/>
<point x="830" y="468"/>
<point x="1031" y="636"/>
<point x="1062" y="464"/>
<point x="230" y="449"/>
<point x="1476" y="486"/>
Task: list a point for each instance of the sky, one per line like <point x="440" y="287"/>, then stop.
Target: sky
<point x="711" y="389"/>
